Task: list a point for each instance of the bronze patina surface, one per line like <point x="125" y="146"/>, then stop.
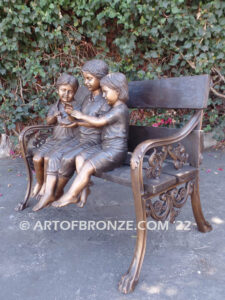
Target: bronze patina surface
<point x="67" y="86"/>
<point x="113" y="148"/>
<point x="160" y="187"/>
<point x="60" y="165"/>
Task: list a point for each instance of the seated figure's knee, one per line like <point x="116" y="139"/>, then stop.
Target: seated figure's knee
<point x="79" y="158"/>
<point x="53" y="158"/>
<point x="67" y="161"/>
<point x="67" y="166"/>
<point x="79" y="161"/>
<point x="88" y="168"/>
<point x="46" y="159"/>
<point x="37" y="158"/>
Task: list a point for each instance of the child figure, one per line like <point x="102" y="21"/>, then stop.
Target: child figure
<point x="113" y="148"/>
<point x="60" y="165"/>
<point x="67" y="86"/>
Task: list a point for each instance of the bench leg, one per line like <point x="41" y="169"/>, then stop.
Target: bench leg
<point x="130" y="279"/>
<point x="202" y="224"/>
<point x="23" y="204"/>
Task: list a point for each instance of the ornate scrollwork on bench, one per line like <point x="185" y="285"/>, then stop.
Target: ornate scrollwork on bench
<point x="155" y="161"/>
<point x="40" y="139"/>
<point x="36" y="139"/>
<point x="179" y="155"/>
<point x="169" y="203"/>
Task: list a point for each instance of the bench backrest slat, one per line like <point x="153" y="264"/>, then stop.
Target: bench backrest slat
<point x="181" y="92"/>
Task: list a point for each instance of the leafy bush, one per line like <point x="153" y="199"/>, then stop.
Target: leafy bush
<point x="144" y="39"/>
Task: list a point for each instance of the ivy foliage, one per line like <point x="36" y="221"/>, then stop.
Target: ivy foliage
<point x="145" y="39"/>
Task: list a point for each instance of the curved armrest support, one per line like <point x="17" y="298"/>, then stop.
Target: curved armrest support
<point x="22" y="135"/>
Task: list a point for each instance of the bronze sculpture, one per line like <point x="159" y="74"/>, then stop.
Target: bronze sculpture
<point x="60" y="164"/>
<point x="113" y="148"/>
<point x="67" y="86"/>
<point x="170" y="185"/>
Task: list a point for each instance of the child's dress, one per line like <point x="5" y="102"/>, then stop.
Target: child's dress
<point x="113" y="149"/>
<point x="62" y="161"/>
<point x="60" y="135"/>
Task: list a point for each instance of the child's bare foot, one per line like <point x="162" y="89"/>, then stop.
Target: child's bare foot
<point x="65" y="200"/>
<point x="36" y="190"/>
<point x="83" y="197"/>
<point x="43" y="202"/>
<point x="42" y="191"/>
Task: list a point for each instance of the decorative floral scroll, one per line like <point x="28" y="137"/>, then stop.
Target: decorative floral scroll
<point x="169" y="203"/>
<point x="179" y="155"/>
<point x="155" y="161"/>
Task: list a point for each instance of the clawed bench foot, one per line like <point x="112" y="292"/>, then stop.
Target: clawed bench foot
<point x="204" y="227"/>
<point x="20" y="206"/>
<point x="128" y="282"/>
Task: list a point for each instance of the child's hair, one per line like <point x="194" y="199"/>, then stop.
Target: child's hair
<point x="118" y="82"/>
<point x="68" y="79"/>
<point x="96" y="67"/>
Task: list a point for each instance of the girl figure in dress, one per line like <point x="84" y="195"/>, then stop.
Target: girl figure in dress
<point x="113" y="148"/>
<point x="67" y="86"/>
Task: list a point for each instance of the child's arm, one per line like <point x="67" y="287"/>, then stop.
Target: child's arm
<point x="93" y="121"/>
<point x="75" y="124"/>
<point x="52" y="119"/>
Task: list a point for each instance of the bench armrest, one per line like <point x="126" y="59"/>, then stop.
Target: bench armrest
<point x="140" y="151"/>
<point x="28" y="130"/>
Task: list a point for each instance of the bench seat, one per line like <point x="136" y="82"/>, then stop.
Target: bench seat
<point x="169" y="177"/>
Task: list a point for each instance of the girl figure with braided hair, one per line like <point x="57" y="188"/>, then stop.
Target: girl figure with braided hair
<point x="60" y="164"/>
<point x="113" y="148"/>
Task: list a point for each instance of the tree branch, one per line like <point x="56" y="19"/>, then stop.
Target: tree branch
<point x="15" y="132"/>
<point x="218" y="72"/>
<point x="5" y="129"/>
<point x="21" y="90"/>
<point x="217" y="93"/>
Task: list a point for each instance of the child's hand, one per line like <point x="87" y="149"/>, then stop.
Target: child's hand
<point x="76" y="114"/>
<point x="69" y="110"/>
<point x="57" y="114"/>
<point x="68" y="105"/>
<point x="71" y="125"/>
<point x="64" y="122"/>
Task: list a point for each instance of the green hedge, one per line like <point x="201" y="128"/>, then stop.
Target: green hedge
<point x="145" y="39"/>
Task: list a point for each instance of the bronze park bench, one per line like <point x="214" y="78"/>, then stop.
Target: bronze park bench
<point x="163" y="169"/>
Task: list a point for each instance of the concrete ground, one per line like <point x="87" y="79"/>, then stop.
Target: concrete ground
<point x="58" y="264"/>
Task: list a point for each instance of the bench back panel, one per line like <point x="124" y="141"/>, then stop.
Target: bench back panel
<point x="181" y="92"/>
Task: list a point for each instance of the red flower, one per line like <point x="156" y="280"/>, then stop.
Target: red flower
<point x="169" y="121"/>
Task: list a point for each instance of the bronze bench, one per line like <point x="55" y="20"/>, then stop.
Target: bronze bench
<point x="162" y="162"/>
